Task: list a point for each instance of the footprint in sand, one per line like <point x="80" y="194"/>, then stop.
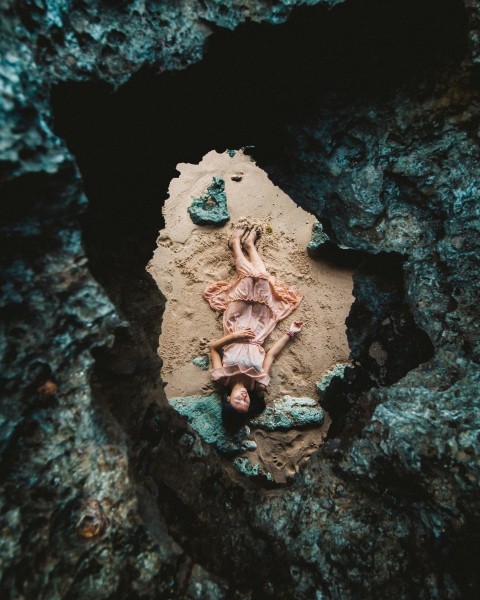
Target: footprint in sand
<point x="278" y="462"/>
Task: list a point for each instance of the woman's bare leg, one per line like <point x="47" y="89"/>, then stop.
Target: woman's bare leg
<point x="253" y="255"/>
<point x="235" y="244"/>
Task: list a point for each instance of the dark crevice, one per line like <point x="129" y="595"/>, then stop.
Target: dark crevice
<point x="384" y="340"/>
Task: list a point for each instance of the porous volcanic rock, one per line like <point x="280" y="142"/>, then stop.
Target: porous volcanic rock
<point x="389" y="508"/>
<point x="289" y="413"/>
<point x="204" y="414"/>
<point x="210" y="209"/>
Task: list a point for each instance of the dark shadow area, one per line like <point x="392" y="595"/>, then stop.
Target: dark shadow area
<point x="36" y="210"/>
<point x="385" y="343"/>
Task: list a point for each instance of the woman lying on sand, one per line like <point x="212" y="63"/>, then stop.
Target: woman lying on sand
<point x="252" y="304"/>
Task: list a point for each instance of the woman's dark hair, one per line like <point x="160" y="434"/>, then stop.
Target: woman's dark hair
<point x="232" y="419"/>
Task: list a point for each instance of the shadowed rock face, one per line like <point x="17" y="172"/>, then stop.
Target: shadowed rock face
<point x="105" y="495"/>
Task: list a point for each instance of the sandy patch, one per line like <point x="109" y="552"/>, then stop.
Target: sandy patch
<point x="188" y="256"/>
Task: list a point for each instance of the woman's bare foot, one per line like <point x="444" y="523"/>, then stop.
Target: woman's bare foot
<point x="253" y="235"/>
<point x="246" y="233"/>
<point x="240" y="229"/>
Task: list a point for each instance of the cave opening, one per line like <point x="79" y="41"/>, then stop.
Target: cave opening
<point x="252" y="85"/>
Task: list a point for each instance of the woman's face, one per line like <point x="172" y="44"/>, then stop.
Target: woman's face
<point x="239" y="399"/>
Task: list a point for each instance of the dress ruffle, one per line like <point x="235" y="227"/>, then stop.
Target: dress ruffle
<point x="262" y="288"/>
<point x="254" y="300"/>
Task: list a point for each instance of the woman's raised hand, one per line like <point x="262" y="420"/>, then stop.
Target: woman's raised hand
<point x="296" y="327"/>
<point x="244" y="334"/>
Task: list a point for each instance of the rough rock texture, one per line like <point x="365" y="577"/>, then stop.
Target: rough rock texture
<point x="321" y="246"/>
<point x="210" y="209"/>
<point x="390" y="508"/>
<point x="204" y="414"/>
<point x="319" y="238"/>
<point x="338" y="371"/>
<point x="255" y="470"/>
<point x="202" y="362"/>
<point x="289" y="413"/>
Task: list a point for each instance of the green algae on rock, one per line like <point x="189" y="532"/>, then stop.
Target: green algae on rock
<point x="211" y="208"/>
<point x="245" y="467"/>
<point x="201" y="362"/>
<point x="319" y="237"/>
<point x="204" y="414"/>
<point x="324" y="381"/>
<point x="322" y="246"/>
<point x="289" y="413"/>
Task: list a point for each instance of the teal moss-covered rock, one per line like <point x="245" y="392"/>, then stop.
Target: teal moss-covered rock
<point x="321" y="246"/>
<point x="290" y="413"/>
<point x="204" y="415"/>
<point x="211" y="208"/>
<point x="245" y="467"/>
<point x="368" y="541"/>
<point x="202" y="362"/>
<point x="319" y="237"/>
<point x="336" y="371"/>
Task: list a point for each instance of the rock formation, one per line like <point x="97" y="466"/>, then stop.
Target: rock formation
<point x="367" y="115"/>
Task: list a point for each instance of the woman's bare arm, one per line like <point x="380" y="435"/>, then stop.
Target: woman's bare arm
<point x="215" y="358"/>
<point x="241" y="334"/>
<point x="280" y="344"/>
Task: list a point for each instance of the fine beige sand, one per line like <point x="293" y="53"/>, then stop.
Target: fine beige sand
<point x="188" y="256"/>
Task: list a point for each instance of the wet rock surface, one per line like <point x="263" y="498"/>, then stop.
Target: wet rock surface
<point x="104" y="494"/>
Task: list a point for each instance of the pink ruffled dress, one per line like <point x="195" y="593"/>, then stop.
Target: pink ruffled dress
<point x="257" y="300"/>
